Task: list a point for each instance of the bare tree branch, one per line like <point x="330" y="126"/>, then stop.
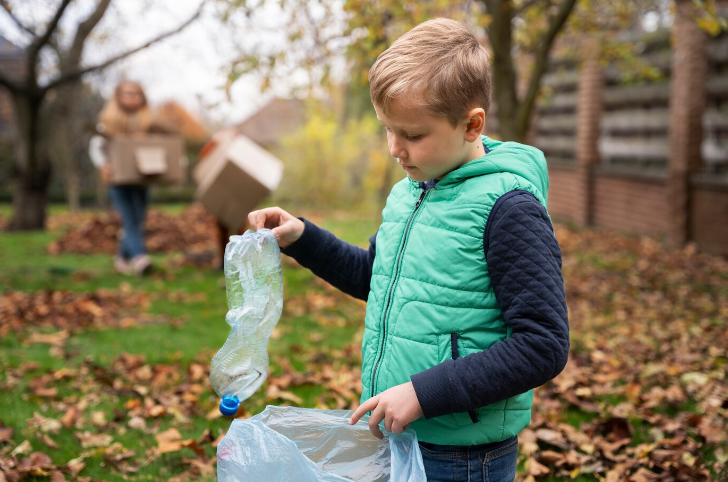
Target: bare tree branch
<point x="40" y="41"/>
<point x="83" y="31"/>
<point x="541" y="61"/>
<point x="4" y="4"/>
<point x="76" y="74"/>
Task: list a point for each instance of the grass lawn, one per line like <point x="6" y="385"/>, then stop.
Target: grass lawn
<point x="186" y="325"/>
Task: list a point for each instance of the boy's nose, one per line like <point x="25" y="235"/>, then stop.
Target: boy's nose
<point x="396" y="150"/>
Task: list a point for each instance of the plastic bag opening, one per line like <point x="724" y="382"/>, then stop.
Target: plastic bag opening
<point x="310" y="445"/>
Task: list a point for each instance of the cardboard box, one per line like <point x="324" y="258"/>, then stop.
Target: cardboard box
<point x="234" y="177"/>
<point x="147" y="159"/>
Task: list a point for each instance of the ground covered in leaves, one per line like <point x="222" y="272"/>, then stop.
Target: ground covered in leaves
<point x="104" y="377"/>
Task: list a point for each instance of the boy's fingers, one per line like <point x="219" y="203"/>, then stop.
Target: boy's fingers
<point x="363" y="408"/>
<point x="374" y="419"/>
<point x="259" y="220"/>
<point x="251" y="219"/>
<point x="397" y="427"/>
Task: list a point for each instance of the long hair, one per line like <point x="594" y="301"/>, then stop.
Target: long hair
<point x="117" y="120"/>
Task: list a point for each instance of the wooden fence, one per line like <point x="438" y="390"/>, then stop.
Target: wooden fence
<point x="631" y="156"/>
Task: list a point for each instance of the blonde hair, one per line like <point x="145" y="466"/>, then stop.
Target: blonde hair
<point x="117" y="120"/>
<point x="440" y="65"/>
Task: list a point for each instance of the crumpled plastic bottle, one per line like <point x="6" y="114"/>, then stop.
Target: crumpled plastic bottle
<point x="254" y="284"/>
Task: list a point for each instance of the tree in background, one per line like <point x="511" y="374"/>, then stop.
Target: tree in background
<point x="370" y="26"/>
<point x="331" y="49"/>
<point x="30" y="92"/>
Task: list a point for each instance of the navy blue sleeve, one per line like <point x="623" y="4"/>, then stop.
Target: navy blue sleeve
<point x="524" y="264"/>
<point x="345" y="266"/>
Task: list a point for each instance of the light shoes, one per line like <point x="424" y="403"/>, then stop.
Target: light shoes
<point x="121" y="265"/>
<point x="141" y="264"/>
<point x="138" y="265"/>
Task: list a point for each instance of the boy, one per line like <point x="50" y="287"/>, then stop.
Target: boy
<point x="465" y="302"/>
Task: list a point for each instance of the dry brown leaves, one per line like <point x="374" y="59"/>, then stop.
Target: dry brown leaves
<point x="340" y="378"/>
<point x="148" y="396"/>
<point x="648" y="363"/>
<point x="66" y="310"/>
<point x="644" y="396"/>
<point x="193" y="231"/>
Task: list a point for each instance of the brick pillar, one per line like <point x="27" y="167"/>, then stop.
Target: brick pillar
<point x="588" y="114"/>
<point x="687" y="104"/>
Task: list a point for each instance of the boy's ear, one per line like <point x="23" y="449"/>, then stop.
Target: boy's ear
<point x="475" y="124"/>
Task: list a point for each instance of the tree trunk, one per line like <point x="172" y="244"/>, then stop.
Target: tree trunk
<point x="30" y="196"/>
<point x="504" y="75"/>
<point x="66" y="139"/>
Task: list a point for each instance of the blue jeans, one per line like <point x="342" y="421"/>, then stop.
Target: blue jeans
<point x="490" y="463"/>
<point x="131" y="202"/>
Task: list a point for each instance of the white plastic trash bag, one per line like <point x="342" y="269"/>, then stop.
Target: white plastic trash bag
<point x="308" y="445"/>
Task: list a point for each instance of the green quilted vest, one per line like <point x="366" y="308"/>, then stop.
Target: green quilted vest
<point x="430" y="286"/>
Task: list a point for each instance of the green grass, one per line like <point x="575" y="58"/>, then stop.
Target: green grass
<point x="182" y="332"/>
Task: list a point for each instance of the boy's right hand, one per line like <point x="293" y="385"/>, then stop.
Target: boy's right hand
<point x="286" y="228"/>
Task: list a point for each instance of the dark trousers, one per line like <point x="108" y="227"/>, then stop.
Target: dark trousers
<point x="131" y="202"/>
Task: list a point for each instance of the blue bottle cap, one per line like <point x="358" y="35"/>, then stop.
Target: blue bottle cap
<point x="229" y="405"/>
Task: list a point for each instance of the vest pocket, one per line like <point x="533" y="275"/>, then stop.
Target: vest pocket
<point x="454" y="347"/>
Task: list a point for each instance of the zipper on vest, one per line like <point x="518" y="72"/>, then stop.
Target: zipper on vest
<point x="391" y="287"/>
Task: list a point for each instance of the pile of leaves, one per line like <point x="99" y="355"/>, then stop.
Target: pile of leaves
<point x="193" y="231"/>
<point x="647" y="369"/>
<point x="69" y="311"/>
<point x="60" y="222"/>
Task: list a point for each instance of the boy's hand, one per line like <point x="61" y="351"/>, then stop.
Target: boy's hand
<point x="397" y="406"/>
<point x="286" y="228"/>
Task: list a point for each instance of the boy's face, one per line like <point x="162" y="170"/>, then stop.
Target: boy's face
<point x="427" y="146"/>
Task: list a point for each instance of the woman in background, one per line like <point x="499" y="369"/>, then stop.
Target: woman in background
<point x="126" y="113"/>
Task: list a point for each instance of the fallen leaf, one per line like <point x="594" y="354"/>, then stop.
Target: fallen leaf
<point x="6" y="434"/>
<point x="89" y="440"/>
<point x="644" y="475"/>
<point x="536" y="469"/>
<point x="273" y="393"/>
<point x="74" y="466"/>
<point x="137" y="423"/>
<point x="58" y="339"/>
<point x="169" y="441"/>
<point x="69" y="418"/>
<point x="98" y="418"/>
<point x="552" y="437"/>
<point x="22" y="449"/>
<point x="44" y="424"/>
<point x="57" y="476"/>
<point x="47" y="441"/>
<point x="37" y="463"/>
<point x="213" y="414"/>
